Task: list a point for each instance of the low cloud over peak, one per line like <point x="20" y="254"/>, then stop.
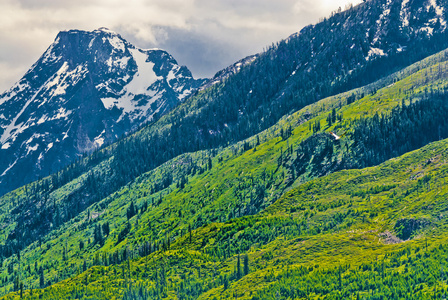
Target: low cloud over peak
<point x="205" y="35"/>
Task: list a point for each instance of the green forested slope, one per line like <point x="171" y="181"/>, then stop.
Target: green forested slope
<point x="191" y="217"/>
<point x="337" y="236"/>
<point x="288" y="76"/>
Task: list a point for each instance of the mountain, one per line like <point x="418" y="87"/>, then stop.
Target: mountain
<point x="87" y="90"/>
<point x="180" y="229"/>
<point x="242" y="192"/>
<point x="290" y="75"/>
<point x="223" y="74"/>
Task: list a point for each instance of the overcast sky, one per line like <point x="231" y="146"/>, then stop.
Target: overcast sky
<point x="204" y="35"/>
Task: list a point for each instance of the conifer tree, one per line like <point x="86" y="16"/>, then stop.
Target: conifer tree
<point x="189" y="232"/>
<point x="226" y="282"/>
<point x="246" y="264"/>
<point x="238" y="268"/>
<point x="84" y="266"/>
<point x="41" y="278"/>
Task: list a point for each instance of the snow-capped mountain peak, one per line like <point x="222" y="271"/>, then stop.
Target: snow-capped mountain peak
<point x="87" y="89"/>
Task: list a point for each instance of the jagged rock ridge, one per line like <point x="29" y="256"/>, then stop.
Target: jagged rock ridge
<point x="86" y="90"/>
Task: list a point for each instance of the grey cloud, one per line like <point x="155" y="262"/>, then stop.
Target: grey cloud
<point x="204" y="35"/>
<point x="203" y="55"/>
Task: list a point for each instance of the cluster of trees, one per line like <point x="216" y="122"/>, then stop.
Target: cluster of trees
<point x="370" y="132"/>
<point x="374" y="139"/>
<point x="407" y="274"/>
<point x="249" y="103"/>
<point x="100" y="232"/>
<point x="407" y="128"/>
<point x="240" y="234"/>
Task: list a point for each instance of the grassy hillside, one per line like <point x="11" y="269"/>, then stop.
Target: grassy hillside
<point x="379" y="231"/>
<point x="192" y="216"/>
<point x="285" y="78"/>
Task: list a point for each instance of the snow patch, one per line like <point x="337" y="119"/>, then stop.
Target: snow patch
<point x="49" y="55"/>
<point x="42" y="119"/>
<point x="65" y="135"/>
<point x="30" y="140"/>
<point x="17" y="88"/>
<point x="117" y="43"/>
<point x="373" y="52"/>
<point x="427" y="29"/>
<point x="9" y="168"/>
<point x="6" y="146"/>
<point x="381" y="21"/>
<point x="113" y="38"/>
<point x="31" y="149"/>
<point x="139" y="85"/>
<point x="172" y="75"/>
<point x="62" y="80"/>
<point x="99" y="140"/>
<point x="91" y="43"/>
<point x="49" y="146"/>
<point x="57" y="77"/>
<point x="109" y="62"/>
<point x="439" y="12"/>
<point x="13" y="127"/>
<point x="438" y="9"/>
<point x="120" y="63"/>
<point x="62" y="113"/>
<point x="185" y="94"/>
<point x="145" y="75"/>
<point x="12" y="130"/>
<point x="405" y="13"/>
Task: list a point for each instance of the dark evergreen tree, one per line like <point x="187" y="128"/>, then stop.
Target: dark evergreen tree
<point x="106" y="228"/>
<point x="226" y="282"/>
<point x="189" y="232"/>
<point x="98" y="235"/>
<point x="41" y="278"/>
<point x="84" y="266"/>
<point x="238" y="268"/>
<point x="246" y="264"/>
<point x="131" y="210"/>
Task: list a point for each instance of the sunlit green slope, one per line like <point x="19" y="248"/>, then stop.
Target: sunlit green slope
<point x="255" y="198"/>
<point x="368" y="232"/>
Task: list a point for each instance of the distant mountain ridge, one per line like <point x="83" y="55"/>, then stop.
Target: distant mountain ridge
<point x="87" y="89"/>
<point x="229" y="71"/>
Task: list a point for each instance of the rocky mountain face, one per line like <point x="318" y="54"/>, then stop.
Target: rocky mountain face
<point x="223" y="74"/>
<point x="87" y="90"/>
<point x="354" y="47"/>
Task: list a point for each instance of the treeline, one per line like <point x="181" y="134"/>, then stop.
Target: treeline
<point x="288" y="76"/>
<point x="375" y="139"/>
<point x="407" y="128"/>
<point x="295" y="73"/>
